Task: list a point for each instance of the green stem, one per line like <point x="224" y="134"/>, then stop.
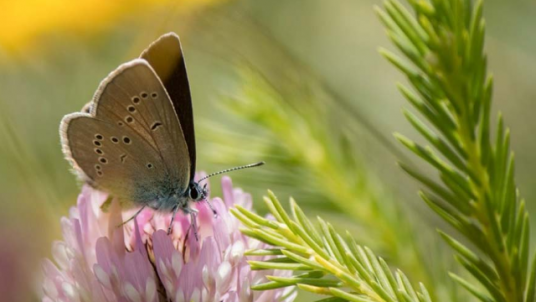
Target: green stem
<point x="500" y="259"/>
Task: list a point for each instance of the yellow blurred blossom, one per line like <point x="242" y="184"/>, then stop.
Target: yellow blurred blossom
<point x="25" y="20"/>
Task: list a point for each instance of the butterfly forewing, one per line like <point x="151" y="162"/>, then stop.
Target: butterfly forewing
<point x="131" y="144"/>
<point x="166" y="57"/>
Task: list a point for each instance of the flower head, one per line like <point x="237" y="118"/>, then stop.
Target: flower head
<point x="98" y="261"/>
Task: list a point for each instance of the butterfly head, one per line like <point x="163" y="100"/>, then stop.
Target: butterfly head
<point x="196" y="192"/>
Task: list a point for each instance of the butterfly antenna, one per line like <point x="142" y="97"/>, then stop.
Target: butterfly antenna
<point x="232" y="169"/>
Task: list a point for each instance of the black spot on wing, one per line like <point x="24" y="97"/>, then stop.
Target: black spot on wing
<point x="156" y="125"/>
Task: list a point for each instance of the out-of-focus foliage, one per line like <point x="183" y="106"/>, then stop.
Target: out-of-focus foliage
<point x="320" y="60"/>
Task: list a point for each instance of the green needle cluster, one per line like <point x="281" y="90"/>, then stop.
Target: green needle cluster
<point x="322" y="261"/>
<point x="445" y="64"/>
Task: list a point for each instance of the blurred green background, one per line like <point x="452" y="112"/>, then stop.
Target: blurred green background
<point x="298" y="84"/>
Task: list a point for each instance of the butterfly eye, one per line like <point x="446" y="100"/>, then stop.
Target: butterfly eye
<point x="98" y="168"/>
<point x="98" y="151"/>
<point x="144" y="95"/>
<point x="103" y="160"/>
<point x="129" y="119"/>
<point x="120" y="124"/>
<point x="193" y="193"/>
<point x="131" y="108"/>
<point x="136" y="100"/>
<point x="97" y="143"/>
<point x="126" y="140"/>
<point x="149" y="166"/>
<point x="114" y="139"/>
<point x="154" y="95"/>
<point x="98" y="136"/>
<point x="99" y="173"/>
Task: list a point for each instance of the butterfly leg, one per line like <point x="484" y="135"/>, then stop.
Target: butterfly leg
<point x="212" y="208"/>
<point x="131" y="218"/>
<point x="175" y="209"/>
<point x="193" y="223"/>
<point x="193" y="220"/>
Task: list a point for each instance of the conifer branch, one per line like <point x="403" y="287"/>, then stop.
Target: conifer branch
<point x="323" y="262"/>
<point x="447" y="68"/>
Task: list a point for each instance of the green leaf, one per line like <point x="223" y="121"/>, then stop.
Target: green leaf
<point x="333" y="266"/>
<point x="470" y="257"/>
<point x="475" y="291"/>
<point x="263" y="252"/>
<point x="348" y="296"/>
<point x="332" y="299"/>
<point x="307" y="281"/>
<point x="264" y="265"/>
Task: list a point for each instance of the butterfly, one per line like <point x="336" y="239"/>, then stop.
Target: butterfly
<point x="136" y="139"/>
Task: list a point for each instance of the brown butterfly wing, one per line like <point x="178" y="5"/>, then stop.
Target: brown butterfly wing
<point x="131" y="144"/>
<point x="167" y="59"/>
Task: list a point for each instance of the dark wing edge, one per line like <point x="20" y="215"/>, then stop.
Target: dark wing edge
<point x="166" y="58"/>
<point x="64" y="139"/>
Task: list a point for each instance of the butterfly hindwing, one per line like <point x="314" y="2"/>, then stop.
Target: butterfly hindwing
<point x="100" y="161"/>
<point x="166" y="57"/>
<point x="131" y="144"/>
